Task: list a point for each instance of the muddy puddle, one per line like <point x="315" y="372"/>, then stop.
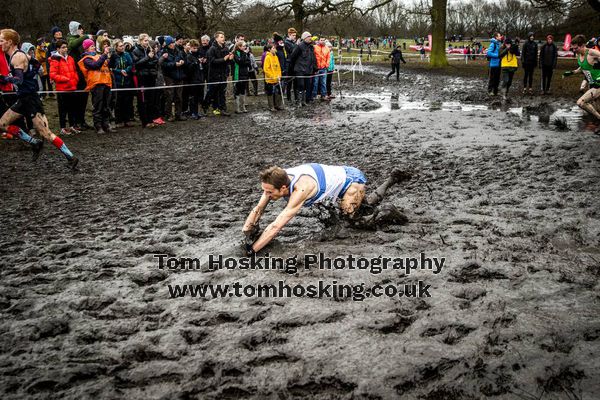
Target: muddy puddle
<point x="543" y="115"/>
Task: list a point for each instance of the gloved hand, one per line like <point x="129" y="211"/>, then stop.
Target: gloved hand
<point x="567" y="73"/>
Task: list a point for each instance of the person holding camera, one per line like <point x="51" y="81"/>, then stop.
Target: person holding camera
<point x="98" y="77"/>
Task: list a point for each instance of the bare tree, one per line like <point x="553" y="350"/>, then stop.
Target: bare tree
<point x="302" y="10"/>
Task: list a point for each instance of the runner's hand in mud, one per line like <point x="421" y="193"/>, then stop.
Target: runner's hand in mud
<point x="249" y="250"/>
<point x="252" y="234"/>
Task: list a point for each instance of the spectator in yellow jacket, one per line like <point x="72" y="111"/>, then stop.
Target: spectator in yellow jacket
<point x="272" y="70"/>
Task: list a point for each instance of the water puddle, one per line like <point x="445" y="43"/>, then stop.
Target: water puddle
<point x="386" y="102"/>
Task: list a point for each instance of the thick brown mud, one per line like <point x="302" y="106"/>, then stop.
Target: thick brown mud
<point x="505" y="193"/>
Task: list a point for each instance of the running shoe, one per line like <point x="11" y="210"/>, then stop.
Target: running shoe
<point x="217" y="112"/>
<point x="36" y="149"/>
<point x="72" y="163"/>
<point x="75" y="131"/>
<point x="159" y="121"/>
<point x="66" y="132"/>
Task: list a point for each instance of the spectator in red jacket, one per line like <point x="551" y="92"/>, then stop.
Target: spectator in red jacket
<point x="64" y="73"/>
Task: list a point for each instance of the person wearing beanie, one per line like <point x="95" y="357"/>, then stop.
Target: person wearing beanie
<point x="303" y="64"/>
<point x="99" y="82"/>
<point x="75" y="42"/>
<point x="172" y="63"/>
<point x="101" y="36"/>
<point x="290" y="45"/>
<point x="529" y="60"/>
<point x="509" y="55"/>
<point x="55" y="35"/>
<point x="548" y="59"/>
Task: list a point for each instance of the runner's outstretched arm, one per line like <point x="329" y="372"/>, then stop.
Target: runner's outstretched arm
<point x="255" y="214"/>
<point x="296" y="201"/>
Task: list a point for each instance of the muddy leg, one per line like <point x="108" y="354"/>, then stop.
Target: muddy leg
<point x="585" y="102"/>
<point x="379" y="193"/>
<point x="352" y="198"/>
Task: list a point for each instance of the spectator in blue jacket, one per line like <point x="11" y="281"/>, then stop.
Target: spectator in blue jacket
<point x="493" y="55"/>
<point x="121" y="64"/>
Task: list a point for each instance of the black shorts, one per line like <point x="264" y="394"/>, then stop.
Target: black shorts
<point x="28" y="105"/>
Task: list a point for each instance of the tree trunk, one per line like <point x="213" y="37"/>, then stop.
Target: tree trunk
<point x="298" y="9"/>
<point x="438" y="24"/>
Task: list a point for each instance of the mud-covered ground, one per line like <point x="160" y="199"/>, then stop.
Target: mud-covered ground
<point x="505" y="192"/>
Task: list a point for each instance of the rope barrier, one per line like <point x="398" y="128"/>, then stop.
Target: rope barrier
<point x="182" y="85"/>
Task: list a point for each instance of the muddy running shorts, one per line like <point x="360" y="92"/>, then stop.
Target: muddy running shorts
<point x="353" y="175"/>
<point x="28" y="105"/>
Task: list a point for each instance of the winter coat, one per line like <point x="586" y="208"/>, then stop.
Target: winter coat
<point x="63" y="72"/>
<point x="144" y="65"/>
<point x="253" y="65"/>
<point x="169" y="67"/>
<point x="396" y="56"/>
<point x="4" y="70"/>
<point x="202" y="53"/>
<point x="322" y="56"/>
<point x="41" y="56"/>
<point x="510" y="57"/>
<point x="331" y="66"/>
<point x="529" y="57"/>
<point x="74" y="41"/>
<point x="289" y="46"/>
<point x="272" y="68"/>
<point x="122" y="62"/>
<point x="193" y="68"/>
<point x="493" y="53"/>
<point x="548" y="55"/>
<point x="95" y="70"/>
<point x="242" y="65"/>
<point x="217" y="66"/>
<point x="282" y="55"/>
<point x="302" y="60"/>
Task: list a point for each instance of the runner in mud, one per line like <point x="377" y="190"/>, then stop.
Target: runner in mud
<point x="309" y="184"/>
<point x="589" y="65"/>
<point x="28" y="104"/>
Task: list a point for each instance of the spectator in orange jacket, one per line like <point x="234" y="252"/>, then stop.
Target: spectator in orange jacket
<point x="97" y="74"/>
<point x="64" y="74"/>
<point x="322" y="54"/>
